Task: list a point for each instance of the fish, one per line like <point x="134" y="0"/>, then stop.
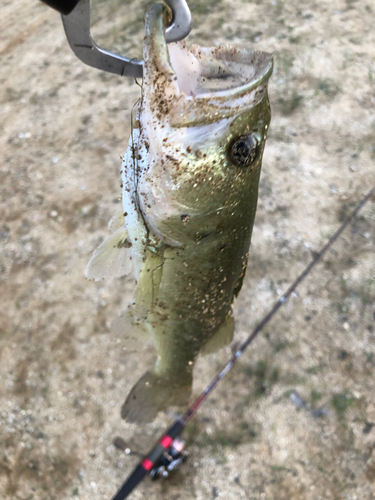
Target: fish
<point x="190" y="180"/>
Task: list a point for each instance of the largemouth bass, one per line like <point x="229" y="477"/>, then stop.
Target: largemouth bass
<point x="190" y="186"/>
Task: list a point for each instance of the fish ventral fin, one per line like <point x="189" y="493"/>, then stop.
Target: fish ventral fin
<point x="221" y="338"/>
<point x="112" y="259"/>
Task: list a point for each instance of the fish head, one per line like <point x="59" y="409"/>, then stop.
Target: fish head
<point x="204" y="117"/>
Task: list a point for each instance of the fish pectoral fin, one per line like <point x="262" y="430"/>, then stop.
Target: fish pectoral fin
<point x="117" y="221"/>
<point x="148" y="284"/>
<point x="112" y="259"/>
<point x="221" y="338"/>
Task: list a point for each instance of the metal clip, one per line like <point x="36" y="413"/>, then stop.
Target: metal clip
<point x="77" y="30"/>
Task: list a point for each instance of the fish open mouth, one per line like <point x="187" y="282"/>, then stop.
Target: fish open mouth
<point x="226" y="81"/>
<point x="199" y="84"/>
<point x="219" y="69"/>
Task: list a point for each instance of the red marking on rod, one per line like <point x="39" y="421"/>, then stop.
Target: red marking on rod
<point x="147" y="464"/>
<point x="166" y="441"/>
<point x="198" y="402"/>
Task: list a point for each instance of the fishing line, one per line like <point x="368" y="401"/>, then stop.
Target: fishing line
<point x="164" y="443"/>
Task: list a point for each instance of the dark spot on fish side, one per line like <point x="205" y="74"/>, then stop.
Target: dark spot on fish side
<point x="199" y="237"/>
<point x="185" y="218"/>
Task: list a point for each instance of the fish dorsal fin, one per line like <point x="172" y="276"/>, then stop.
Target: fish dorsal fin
<point x="221" y="338"/>
<point x="112" y="259"/>
<point x="117" y="221"/>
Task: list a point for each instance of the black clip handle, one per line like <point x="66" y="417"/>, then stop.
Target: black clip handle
<point x="65" y="7"/>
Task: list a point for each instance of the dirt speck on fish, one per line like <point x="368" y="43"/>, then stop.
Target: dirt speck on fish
<point x="190" y="186"/>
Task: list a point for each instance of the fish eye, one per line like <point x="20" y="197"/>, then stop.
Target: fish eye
<point x="243" y="151"/>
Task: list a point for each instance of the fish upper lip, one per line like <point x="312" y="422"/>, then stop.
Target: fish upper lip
<point x="212" y="106"/>
<point x="263" y="60"/>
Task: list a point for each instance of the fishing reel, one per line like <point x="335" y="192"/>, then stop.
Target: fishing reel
<point x="170" y="460"/>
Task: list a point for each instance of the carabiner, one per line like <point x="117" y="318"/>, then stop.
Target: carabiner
<point x="77" y="30"/>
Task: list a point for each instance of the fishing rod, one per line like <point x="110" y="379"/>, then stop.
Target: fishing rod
<point x="168" y="453"/>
